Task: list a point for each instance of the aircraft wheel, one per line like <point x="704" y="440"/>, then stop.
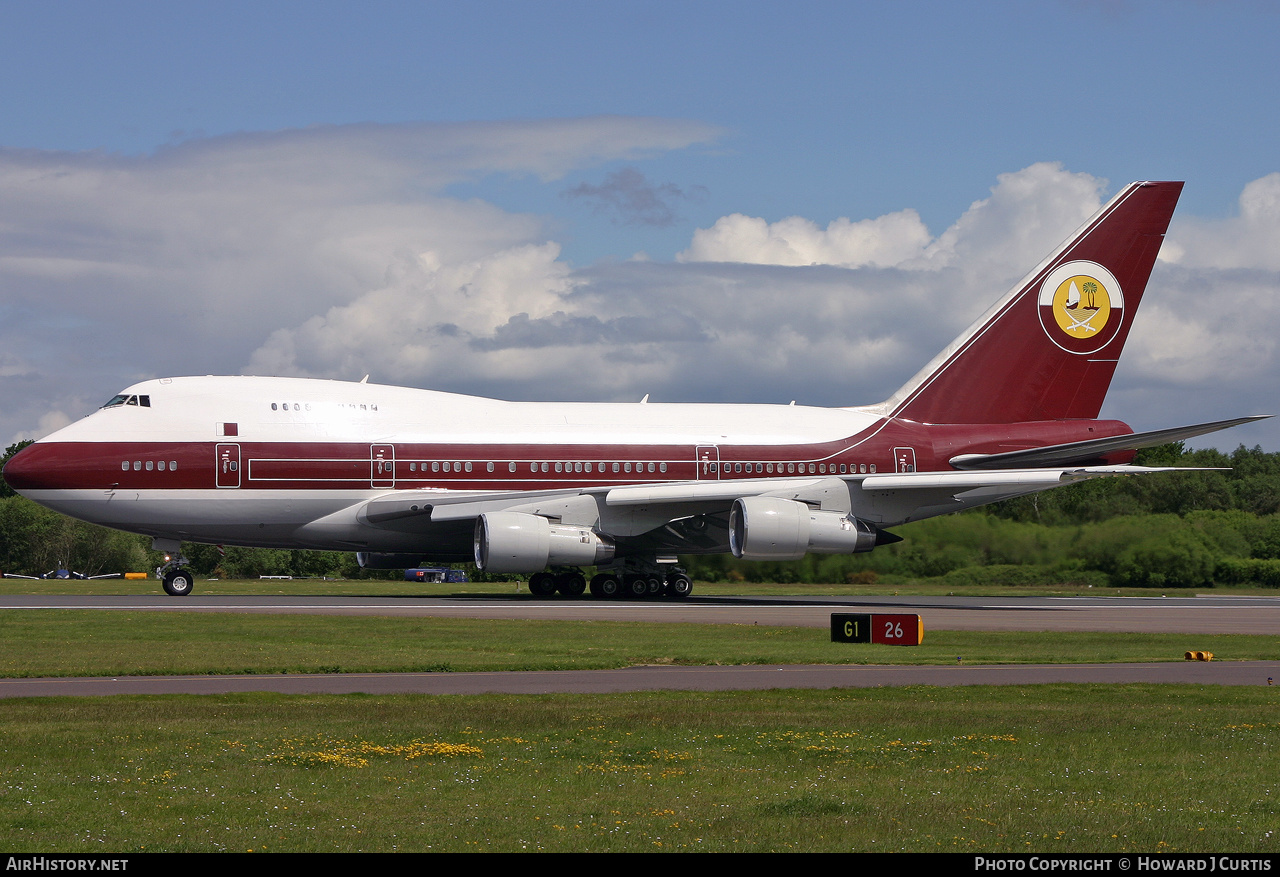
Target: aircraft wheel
<point x="605" y="586"/>
<point x="637" y="587"/>
<point x="571" y="584"/>
<point x="656" y="586"/>
<point x="679" y="586"/>
<point x="542" y="584"/>
<point x="178" y="583"/>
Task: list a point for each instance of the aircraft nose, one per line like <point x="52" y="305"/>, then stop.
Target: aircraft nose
<point x="27" y="469"/>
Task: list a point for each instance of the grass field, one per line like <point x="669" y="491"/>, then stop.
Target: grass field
<point x="1048" y="768"/>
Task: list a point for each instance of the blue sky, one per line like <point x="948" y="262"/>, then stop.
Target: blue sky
<point x="238" y="187"/>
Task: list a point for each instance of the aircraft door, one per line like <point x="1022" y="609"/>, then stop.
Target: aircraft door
<point x="904" y="459"/>
<point x="227" y="459"/>
<point x="708" y="457"/>
<point x="382" y="465"/>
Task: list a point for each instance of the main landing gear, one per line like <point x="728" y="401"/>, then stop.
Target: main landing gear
<point x="630" y="583"/>
<point x="569" y="582"/>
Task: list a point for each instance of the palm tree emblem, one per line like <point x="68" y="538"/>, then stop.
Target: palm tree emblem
<point x="1090" y="290"/>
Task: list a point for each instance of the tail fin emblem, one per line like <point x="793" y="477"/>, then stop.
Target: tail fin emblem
<point x="1081" y="307"/>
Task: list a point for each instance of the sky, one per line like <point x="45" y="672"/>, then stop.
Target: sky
<point x="738" y="202"/>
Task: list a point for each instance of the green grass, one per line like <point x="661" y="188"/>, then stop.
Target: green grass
<point x="1051" y="768"/>
<point x="89" y="643"/>
<point x="1047" y="769"/>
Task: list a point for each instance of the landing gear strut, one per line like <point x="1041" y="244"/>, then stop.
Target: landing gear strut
<point x="177" y="580"/>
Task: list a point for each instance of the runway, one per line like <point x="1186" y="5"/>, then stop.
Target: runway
<point x="1212" y="614"/>
<point x="1209" y="614"/>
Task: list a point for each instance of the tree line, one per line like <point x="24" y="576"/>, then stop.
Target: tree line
<point x="1186" y="529"/>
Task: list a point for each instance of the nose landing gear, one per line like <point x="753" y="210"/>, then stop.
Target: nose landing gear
<point x="175" y="578"/>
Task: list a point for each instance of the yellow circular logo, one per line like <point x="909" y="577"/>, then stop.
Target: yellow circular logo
<point x="1081" y="306"/>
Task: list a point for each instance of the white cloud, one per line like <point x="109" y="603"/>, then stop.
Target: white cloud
<point x="882" y="242"/>
<point x="1028" y="212"/>
<point x="519" y="323"/>
<point x="1250" y="240"/>
<point x="115" y="268"/>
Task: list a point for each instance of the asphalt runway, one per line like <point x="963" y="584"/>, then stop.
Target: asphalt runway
<point x="1195" y="614"/>
<point x="1212" y="614"/>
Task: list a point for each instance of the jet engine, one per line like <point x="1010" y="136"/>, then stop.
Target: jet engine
<point x="769" y="528"/>
<point x="516" y="542"/>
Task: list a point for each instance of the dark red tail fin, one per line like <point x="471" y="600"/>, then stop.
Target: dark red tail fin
<point x="1048" y="349"/>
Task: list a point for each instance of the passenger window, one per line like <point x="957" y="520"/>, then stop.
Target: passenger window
<point x="488" y="467"/>
<point x="124" y="464"/>
<point x="137" y="465"/>
<point x="173" y="465"/>
<point x="467" y="467"/>
<point x="662" y="467"/>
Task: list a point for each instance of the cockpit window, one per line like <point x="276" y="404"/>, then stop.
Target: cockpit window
<point x="125" y="399"/>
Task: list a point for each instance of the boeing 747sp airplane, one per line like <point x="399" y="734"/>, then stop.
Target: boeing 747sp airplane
<point x="1008" y="408"/>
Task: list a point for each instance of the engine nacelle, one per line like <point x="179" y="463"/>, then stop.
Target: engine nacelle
<point x="516" y="542"/>
<point x="377" y="560"/>
<point x="769" y="528"/>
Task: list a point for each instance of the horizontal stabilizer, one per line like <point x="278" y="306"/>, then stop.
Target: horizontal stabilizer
<point x="1079" y="452"/>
